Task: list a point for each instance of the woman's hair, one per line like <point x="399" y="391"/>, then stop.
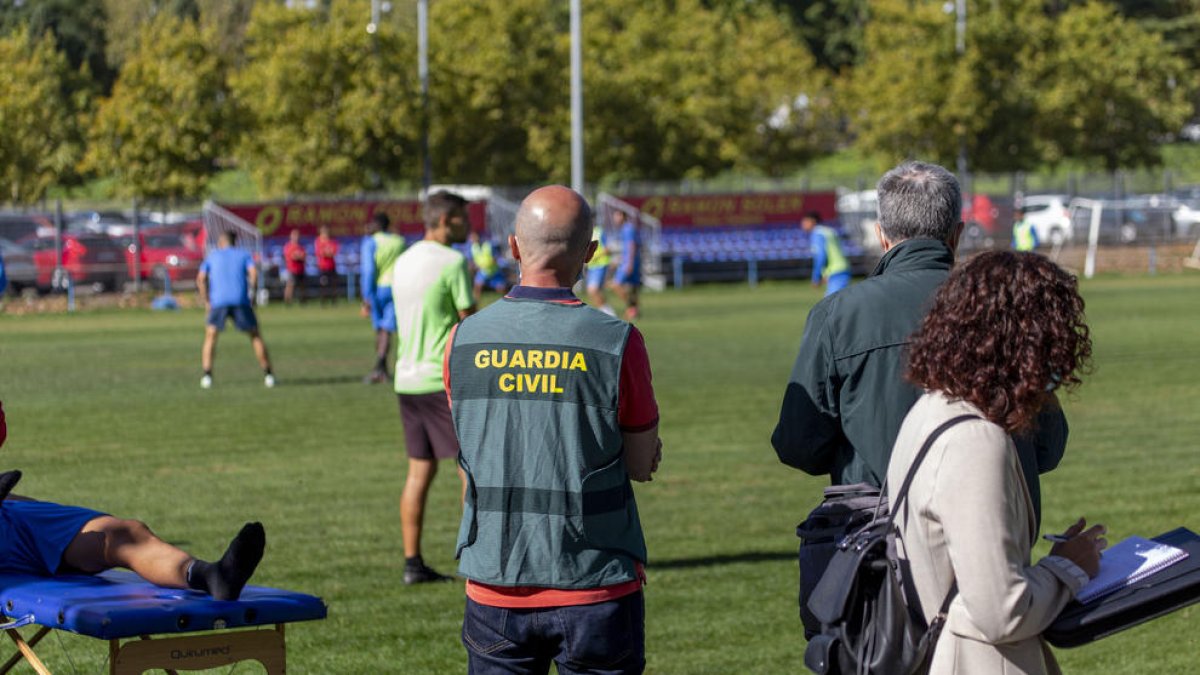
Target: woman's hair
<point x="1005" y="329"/>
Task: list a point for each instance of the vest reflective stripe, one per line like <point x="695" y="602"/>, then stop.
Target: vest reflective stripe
<point x="481" y="254"/>
<point x="549" y="504"/>
<point x="835" y="260"/>
<point x="602" y="256"/>
<point x="1023" y="236"/>
<point x="388" y="247"/>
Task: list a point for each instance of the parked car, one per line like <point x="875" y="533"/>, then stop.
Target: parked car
<point x="18" y="266"/>
<point x="1050" y="217"/>
<point x="89" y="259"/>
<point x="1187" y="218"/>
<point x="164" y="251"/>
<point x="18" y="226"/>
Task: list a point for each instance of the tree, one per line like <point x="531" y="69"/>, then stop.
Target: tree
<point x="326" y="107"/>
<point x="39" y="133"/>
<point x="1111" y="92"/>
<point x="79" y="31"/>
<point x="168" y="119"/>
<point x="670" y="90"/>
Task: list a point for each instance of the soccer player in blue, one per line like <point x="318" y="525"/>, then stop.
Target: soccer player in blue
<point x="224" y="282"/>
<point x="628" y="279"/>
<point x="829" y="261"/>
<point x="376" y="258"/>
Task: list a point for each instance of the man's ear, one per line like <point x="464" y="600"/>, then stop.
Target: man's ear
<point x="591" y="251"/>
<point x="512" y="246"/>
<point x="884" y="244"/>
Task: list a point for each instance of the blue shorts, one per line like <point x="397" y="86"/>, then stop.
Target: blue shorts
<point x="242" y="315"/>
<point x="383" y="312"/>
<point x="836" y="282"/>
<point x="34" y="535"/>
<point x="495" y="280"/>
<point x="633" y="278"/>
<point x="596" y="276"/>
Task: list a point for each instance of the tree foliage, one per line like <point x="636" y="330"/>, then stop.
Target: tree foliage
<point x="1112" y="91"/>
<point x="168" y="118"/>
<point x="328" y="108"/>
<point x="39" y="130"/>
<point x="1030" y="88"/>
<point x="79" y="31"/>
<point x="671" y="90"/>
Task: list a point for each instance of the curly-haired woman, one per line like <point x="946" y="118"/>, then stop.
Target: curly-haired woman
<point x="1004" y="332"/>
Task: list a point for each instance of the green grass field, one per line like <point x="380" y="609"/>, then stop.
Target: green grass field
<point x="105" y="410"/>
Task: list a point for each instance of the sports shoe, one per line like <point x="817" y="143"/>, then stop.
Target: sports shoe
<point x="423" y="574"/>
<point x="269" y="381"/>
<point x="206" y="382"/>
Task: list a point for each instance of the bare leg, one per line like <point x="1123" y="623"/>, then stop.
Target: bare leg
<point x="478" y="291"/>
<point x="289" y="289"/>
<point x="260" y="350"/>
<point x="210" y="348"/>
<point x="107" y="542"/>
<point x="412" y="502"/>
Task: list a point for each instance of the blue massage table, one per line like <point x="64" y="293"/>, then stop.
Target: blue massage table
<point x="117" y="606"/>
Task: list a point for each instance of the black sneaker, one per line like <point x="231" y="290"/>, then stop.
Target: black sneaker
<point x="423" y="574"/>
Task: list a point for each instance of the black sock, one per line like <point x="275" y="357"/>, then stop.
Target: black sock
<point x="267" y="371"/>
<point x="381" y="364"/>
<point x="208" y="373"/>
<point x="8" y="480"/>
<point x="225" y="578"/>
<point x="414" y="563"/>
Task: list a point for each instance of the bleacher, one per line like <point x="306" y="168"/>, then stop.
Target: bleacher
<point x="744" y="253"/>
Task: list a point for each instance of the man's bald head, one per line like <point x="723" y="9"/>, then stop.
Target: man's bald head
<point x="554" y="229"/>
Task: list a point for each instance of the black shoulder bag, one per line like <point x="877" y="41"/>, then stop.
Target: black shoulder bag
<point x="867" y="625"/>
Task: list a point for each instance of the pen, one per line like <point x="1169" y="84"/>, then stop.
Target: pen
<point x="1056" y="538"/>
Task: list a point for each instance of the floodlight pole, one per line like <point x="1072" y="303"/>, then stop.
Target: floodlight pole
<point x="577" y="179"/>
<point x="423" y="75"/>
<point x="960" y="47"/>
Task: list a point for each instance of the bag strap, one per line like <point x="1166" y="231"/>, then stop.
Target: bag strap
<point x="902" y="494"/>
<point x="934" y="626"/>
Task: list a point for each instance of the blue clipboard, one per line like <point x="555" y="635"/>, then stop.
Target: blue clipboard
<point x="1171" y="589"/>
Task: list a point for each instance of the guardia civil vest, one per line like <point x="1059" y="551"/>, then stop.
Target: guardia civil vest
<point x="388" y="247"/>
<point x="835" y="260"/>
<point x="602" y="257"/>
<point x="481" y="253"/>
<point x="1023" y="237"/>
<point x="534" y="398"/>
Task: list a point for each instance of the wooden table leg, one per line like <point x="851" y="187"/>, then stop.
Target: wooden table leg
<point x="26" y="649"/>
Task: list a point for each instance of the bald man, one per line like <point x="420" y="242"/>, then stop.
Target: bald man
<point x="555" y="414"/>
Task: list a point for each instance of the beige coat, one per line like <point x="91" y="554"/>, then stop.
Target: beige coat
<point x="969" y="518"/>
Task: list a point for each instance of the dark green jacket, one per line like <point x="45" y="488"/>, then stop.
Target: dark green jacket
<point x="847" y="395"/>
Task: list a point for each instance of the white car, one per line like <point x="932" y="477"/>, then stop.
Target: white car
<point x="1050" y="217"/>
<point x="1186" y="217"/>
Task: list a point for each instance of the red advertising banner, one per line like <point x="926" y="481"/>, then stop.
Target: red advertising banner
<point x="343" y="218"/>
<point x="736" y="209"/>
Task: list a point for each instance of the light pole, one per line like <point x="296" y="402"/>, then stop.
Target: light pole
<point x="577" y="179"/>
<point x="423" y="75"/>
<point x="960" y="47"/>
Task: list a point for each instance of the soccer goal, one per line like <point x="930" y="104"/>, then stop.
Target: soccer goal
<point x="218" y="221"/>
<point x="652" y="272"/>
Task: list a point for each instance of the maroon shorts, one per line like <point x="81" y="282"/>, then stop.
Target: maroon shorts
<point x="428" y="428"/>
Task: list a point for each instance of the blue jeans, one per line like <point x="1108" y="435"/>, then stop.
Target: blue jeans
<point x="607" y="637"/>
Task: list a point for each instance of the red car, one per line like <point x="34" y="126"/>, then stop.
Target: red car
<point x="90" y="259"/>
<point x="165" y="250"/>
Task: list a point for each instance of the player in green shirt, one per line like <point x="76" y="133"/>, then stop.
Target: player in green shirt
<point x="431" y="292"/>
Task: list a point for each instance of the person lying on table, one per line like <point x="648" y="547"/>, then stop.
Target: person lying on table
<point x="47" y="539"/>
